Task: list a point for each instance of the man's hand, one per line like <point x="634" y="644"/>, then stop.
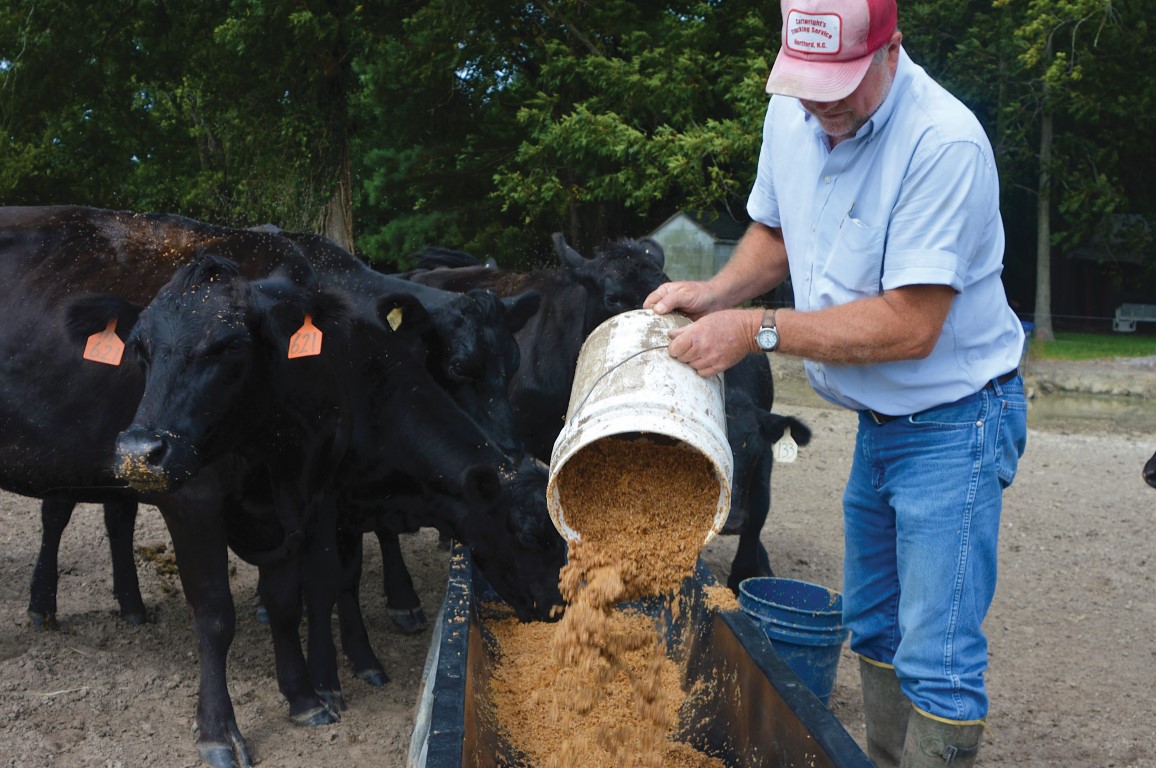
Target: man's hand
<point x="693" y="299"/>
<point x="715" y="341"/>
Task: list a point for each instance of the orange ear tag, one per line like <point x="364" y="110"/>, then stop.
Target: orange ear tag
<point x="105" y="346"/>
<point x="307" y="341"/>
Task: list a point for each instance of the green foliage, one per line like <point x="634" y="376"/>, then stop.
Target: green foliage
<point x="486" y="125"/>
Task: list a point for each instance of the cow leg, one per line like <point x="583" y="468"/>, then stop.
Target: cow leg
<point x="120" y="523"/>
<point x="402" y="604"/>
<point x="354" y="636"/>
<point x="199" y="542"/>
<point x="322" y="590"/>
<point x="54" y="517"/>
<point x="279" y="587"/>
<point x="751" y="558"/>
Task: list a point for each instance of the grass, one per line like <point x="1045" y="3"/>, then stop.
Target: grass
<point x="1092" y="346"/>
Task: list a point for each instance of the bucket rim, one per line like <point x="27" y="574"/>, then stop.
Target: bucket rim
<point x="645" y="421"/>
<point x="835" y="598"/>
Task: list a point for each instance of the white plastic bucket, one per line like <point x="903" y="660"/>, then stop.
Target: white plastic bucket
<point x="626" y="383"/>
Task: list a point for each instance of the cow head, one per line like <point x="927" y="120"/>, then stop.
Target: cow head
<point x="619" y="277"/>
<point x="473" y="354"/>
<point x="417" y="458"/>
<point x="205" y="343"/>
<point x="517" y="547"/>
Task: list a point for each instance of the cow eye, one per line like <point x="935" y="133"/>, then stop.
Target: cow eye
<point x="229" y="347"/>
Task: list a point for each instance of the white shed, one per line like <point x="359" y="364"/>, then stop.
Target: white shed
<point x="696" y="243"/>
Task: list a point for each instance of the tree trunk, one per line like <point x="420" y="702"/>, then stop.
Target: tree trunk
<point x="336" y="218"/>
<point x="1043" y="313"/>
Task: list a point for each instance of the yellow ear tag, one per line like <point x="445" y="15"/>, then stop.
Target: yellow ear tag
<point x="307" y="341"/>
<point x="786" y="449"/>
<point x="394" y="318"/>
<point x="105" y="346"/>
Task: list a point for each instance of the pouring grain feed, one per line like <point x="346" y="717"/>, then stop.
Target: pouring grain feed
<point x="597" y="689"/>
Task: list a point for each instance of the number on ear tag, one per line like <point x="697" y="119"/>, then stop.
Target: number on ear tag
<point x="307" y="341"/>
<point x="105" y="346"/>
<point x="394" y="318"/>
<point x="786" y="449"/>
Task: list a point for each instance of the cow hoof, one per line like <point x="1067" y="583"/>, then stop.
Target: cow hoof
<point x="219" y="755"/>
<point x="334" y="701"/>
<point x="409" y="621"/>
<point x="45" y="622"/>
<point x="375" y="677"/>
<point x="315" y="717"/>
<point x="135" y="619"/>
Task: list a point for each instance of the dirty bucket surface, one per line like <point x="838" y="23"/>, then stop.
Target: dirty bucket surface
<point x="804" y="623"/>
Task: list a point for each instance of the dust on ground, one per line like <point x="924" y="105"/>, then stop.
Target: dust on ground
<point x="1073" y="656"/>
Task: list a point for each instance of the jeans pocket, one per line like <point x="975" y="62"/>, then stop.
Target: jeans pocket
<point x="1012" y="436"/>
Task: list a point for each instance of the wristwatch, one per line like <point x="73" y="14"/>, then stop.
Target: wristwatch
<point x="768" y="336"/>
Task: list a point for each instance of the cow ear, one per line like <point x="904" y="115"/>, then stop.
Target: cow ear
<point x="772" y="427"/>
<point x="87" y="315"/>
<point x="567" y="255"/>
<point x="653" y="249"/>
<point x="520" y="308"/>
<point x="284" y="305"/>
<point x="482" y="484"/>
<point x="403" y="311"/>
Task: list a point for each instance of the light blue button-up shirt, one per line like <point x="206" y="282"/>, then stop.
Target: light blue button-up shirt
<point x="911" y="199"/>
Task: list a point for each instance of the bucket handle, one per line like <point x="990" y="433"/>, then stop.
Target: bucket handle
<point x="615" y="367"/>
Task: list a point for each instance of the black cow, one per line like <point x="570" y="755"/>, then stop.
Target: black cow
<point x="476" y="376"/>
<point x="1150" y="471"/>
<point x="578" y="297"/>
<point x="751" y="432"/>
<point x="53" y="254"/>
<point x="469" y="348"/>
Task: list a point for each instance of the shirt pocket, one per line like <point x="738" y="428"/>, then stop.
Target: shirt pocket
<point x="854" y="260"/>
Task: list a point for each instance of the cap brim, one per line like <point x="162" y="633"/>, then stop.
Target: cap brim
<point x="816" y="80"/>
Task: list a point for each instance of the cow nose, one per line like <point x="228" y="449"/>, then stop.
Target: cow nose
<point x="141" y="450"/>
<point x="149" y="461"/>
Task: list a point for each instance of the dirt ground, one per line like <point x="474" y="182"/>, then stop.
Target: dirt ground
<point x="1073" y="660"/>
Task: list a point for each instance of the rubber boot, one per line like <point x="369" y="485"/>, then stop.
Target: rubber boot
<point x="933" y="742"/>
<point x="886" y="711"/>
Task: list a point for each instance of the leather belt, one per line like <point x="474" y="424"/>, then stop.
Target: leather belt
<point x="882" y="418"/>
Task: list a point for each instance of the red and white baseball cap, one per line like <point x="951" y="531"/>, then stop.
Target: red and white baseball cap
<point x="827" y="46"/>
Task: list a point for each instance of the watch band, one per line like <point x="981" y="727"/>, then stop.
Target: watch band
<point x="768" y="318"/>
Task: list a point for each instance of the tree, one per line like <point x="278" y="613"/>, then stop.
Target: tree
<point x="1078" y="61"/>
<point x="495" y="119"/>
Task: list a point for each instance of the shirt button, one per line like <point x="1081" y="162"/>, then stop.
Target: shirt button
<point x="826" y="179"/>
<point x="812" y="227"/>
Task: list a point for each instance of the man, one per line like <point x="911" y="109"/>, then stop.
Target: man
<point x="877" y="191"/>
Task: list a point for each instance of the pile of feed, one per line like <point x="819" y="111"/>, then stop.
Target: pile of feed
<point x="597" y="689"/>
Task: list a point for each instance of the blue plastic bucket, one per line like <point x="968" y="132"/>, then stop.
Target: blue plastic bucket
<point x="804" y="623"/>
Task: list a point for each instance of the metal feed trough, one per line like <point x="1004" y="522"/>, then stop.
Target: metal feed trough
<point x="757" y="711"/>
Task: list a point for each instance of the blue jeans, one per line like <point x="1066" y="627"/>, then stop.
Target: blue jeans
<point x="921" y="518"/>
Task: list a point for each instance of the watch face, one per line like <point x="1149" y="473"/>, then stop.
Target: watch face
<point x="767" y="339"/>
